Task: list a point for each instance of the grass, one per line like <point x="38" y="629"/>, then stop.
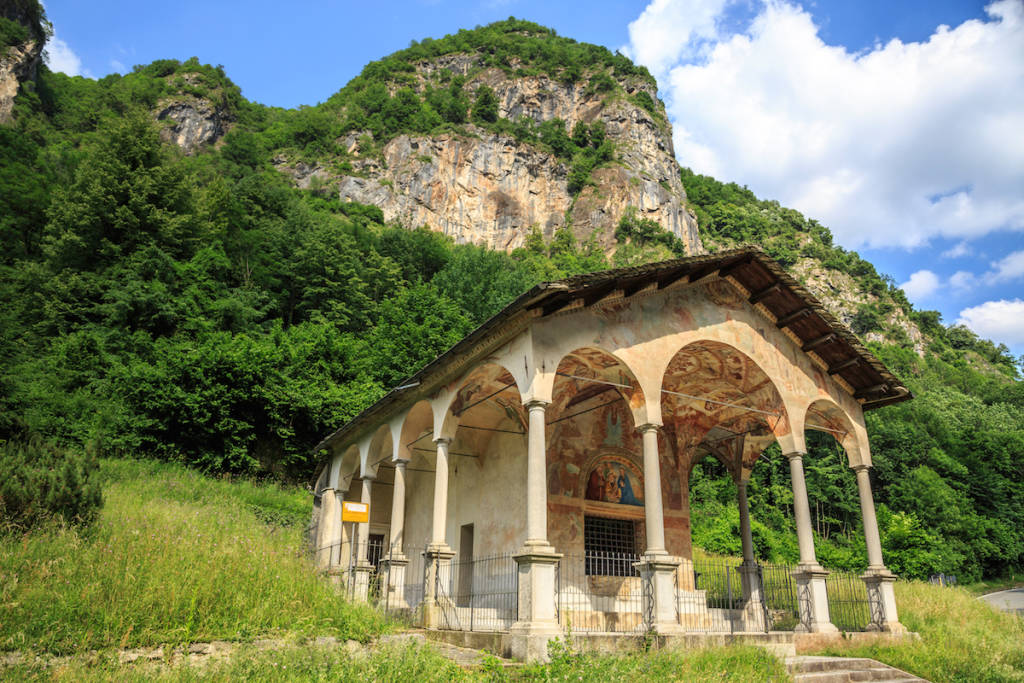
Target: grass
<point x="962" y="638"/>
<point x="995" y="585"/>
<point x="175" y="557"/>
<point x="411" y="662"/>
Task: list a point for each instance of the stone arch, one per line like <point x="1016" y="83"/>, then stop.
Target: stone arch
<point x="491" y="393"/>
<point x="716" y="395"/>
<point x="588" y="372"/>
<point x="348" y="467"/>
<point x="380" y="449"/>
<point x="827" y="416"/>
<point x="417" y="427"/>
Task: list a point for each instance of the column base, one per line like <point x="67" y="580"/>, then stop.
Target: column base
<point x="394" y="570"/>
<point x="537" y="617"/>
<point x="813" y="599"/>
<point x="361" y="582"/>
<point x="658" y="573"/>
<point x="754" y="612"/>
<point x="439" y="571"/>
<point x="882" y="598"/>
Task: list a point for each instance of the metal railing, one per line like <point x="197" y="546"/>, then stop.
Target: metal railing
<point x="600" y="592"/>
<point x="848" y="605"/>
<point x="478" y="594"/>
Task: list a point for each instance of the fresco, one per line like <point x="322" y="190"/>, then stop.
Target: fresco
<point x="614" y="479"/>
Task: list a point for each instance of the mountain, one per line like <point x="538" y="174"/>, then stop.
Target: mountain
<point x="191" y="276"/>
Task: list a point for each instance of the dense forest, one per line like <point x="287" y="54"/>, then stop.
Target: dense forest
<point x="201" y="309"/>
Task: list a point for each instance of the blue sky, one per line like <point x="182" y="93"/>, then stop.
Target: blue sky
<point x="903" y="137"/>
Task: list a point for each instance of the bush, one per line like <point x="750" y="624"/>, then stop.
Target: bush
<point x="40" y="481"/>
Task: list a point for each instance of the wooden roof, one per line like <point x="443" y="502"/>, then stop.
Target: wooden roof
<point x="768" y="284"/>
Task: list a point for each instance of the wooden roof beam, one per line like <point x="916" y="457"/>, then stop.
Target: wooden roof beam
<point x="870" y="391"/>
<point x="758" y="297"/>
<point x="735" y="266"/>
<point x="820" y="341"/>
<point x="845" y="365"/>
<point x="789" y="319"/>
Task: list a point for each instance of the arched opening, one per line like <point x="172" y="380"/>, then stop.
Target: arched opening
<point x="596" y="489"/>
<point x="716" y="401"/>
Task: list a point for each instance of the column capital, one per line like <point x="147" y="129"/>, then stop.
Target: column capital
<point x="795" y="454"/>
<point x="861" y="467"/>
<point x="400" y="463"/>
<point x="648" y="427"/>
<point x="446" y="440"/>
<point x="537" y="403"/>
<point x="369" y="477"/>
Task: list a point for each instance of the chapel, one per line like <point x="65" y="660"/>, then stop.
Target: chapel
<point x="533" y="479"/>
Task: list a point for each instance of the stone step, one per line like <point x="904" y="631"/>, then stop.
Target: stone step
<point x="845" y="670"/>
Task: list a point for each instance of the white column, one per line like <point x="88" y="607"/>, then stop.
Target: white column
<point x="395" y="561"/>
<point x="746" y="538"/>
<point x="364" y="527"/>
<point x="537" y="622"/>
<point x="867" y="510"/>
<point x="536" y="479"/>
<point x="801" y="509"/>
<point x="810" y="576"/>
<point x="397" y="537"/>
<point x="327" y="533"/>
<point x="440" y="519"/>
<point x="878" y="579"/>
<point x="653" y="509"/>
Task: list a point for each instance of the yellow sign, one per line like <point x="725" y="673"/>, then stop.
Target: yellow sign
<point x="355" y="512"/>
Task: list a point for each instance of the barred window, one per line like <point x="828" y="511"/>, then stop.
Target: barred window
<point x="609" y="546"/>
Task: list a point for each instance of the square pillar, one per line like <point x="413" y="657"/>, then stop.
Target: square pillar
<point x="658" y="574"/>
<point x="393" y="569"/>
<point x="537" y="616"/>
<point x="812" y="597"/>
<point x="436" y="592"/>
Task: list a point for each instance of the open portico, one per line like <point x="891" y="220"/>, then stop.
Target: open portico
<point x="535" y="477"/>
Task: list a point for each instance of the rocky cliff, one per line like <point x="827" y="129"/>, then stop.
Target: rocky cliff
<point x="489" y="188"/>
<point x="18" y="63"/>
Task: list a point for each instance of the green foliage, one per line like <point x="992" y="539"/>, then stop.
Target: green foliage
<point x="40" y="482"/>
<point x="485" y="106"/>
<point x="12" y="33"/>
<point x="174" y="558"/>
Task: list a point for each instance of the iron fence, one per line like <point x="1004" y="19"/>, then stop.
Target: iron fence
<point x="600" y="592"/>
<point x="779" y="591"/>
<point x="478" y="594"/>
<point x="848" y="603"/>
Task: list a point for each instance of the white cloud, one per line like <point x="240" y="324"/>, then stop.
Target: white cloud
<point x="1010" y="267"/>
<point x="921" y="285"/>
<point x="1002" y="321"/>
<point x="667" y="30"/>
<point x="957" y="250"/>
<point x="891" y="146"/>
<point x="118" y="66"/>
<point x="962" y="280"/>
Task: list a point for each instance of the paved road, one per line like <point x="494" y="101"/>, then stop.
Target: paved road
<point x="1008" y="601"/>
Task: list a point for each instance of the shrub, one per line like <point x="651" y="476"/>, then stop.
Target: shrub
<point x="40" y="481"/>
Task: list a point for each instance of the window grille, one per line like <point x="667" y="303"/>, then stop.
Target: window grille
<point x="609" y="546"/>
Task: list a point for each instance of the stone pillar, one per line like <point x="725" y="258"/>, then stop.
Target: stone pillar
<point x="657" y="569"/>
<point x="878" y="579"/>
<point x="328" y="533"/>
<point x="438" y="555"/>
<point x="750" y="573"/>
<point x="363" y="569"/>
<point x="394" y="562"/>
<point x="536" y="562"/>
<point x="809" y="575"/>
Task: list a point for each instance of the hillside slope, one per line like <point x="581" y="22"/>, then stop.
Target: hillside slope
<point x="168" y="287"/>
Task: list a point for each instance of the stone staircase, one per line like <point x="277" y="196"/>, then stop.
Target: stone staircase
<point x="845" y="670"/>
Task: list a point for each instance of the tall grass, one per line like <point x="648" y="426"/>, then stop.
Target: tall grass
<point x="962" y="638"/>
<point x="175" y="557"/>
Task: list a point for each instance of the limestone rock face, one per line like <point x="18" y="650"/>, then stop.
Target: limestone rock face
<point x="19" y="63"/>
<point x="490" y="189"/>
<point x="196" y="122"/>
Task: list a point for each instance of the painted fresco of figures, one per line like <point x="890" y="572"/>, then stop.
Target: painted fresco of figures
<point x="613" y="480"/>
